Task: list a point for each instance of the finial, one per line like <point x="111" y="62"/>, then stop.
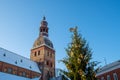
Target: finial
<point x="44" y="18"/>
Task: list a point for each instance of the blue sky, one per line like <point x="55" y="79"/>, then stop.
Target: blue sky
<point x="97" y="20"/>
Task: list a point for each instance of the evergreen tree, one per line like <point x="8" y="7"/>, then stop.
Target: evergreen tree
<point x="77" y="62"/>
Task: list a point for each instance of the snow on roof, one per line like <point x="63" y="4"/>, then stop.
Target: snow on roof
<point x="6" y="76"/>
<point x="109" y="67"/>
<point x="17" y="60"/>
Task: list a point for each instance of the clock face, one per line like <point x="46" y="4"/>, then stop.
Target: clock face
<point x="39" y="42"/>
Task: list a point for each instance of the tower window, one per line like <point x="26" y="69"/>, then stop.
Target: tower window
<point x="35" y="54"/>
<point x="47" y="63"/>
<point x="43" y="30"/>
<point x="48" y="53"/>
<point x="51" y="55"/>
<point x="38" y="52"/>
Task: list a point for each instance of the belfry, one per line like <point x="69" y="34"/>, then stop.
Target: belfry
<point x="43" y="52"/>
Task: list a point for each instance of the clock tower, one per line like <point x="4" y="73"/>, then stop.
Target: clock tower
<point x="43" y="52"/>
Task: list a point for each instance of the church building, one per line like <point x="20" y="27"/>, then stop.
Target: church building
<point x="40" y="66"/>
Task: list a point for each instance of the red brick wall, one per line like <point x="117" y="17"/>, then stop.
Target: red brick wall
<point x="43" y="58"/>
<point x="117" y="71"/>
<point x="1" y="66"/>
<point x="17" y="70"/>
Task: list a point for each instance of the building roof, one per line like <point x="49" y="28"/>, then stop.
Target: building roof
<point x="43" y="36"/>
<point x="43" y="40"/>
<point x="18" y="60"/>
<point x="109" y="67"/>
<point x="6" y="76"/>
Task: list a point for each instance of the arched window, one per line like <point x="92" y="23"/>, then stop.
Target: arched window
<point x="115" y="76"/>
<point x="43" y="30"/>
<point x="38" y="52"/>
<point x="35" y="54"/>
<point x="47" y="62"/>
<point x="51" y="55"/>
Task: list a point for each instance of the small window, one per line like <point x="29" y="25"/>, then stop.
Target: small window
<point x="30" y="67"/>
<point x="108" y="77"/>
<point x="35" y="54"/>
<point x="23" y="74"/>
<point x="43" y="30"/>
<point x="38" y="52"/>
<point x="15" y="62"/>
<point x="9" y="70"/>
<point x="47" y="63"/>
<point x="102" y="78"/>
<point x="51" y="55"/>
<point x="21" y="60"/>
<point x="115" y="76"/>
<point x="4" y="54"/>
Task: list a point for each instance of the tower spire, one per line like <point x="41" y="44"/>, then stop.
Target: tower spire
<point x="43" y="27"/>
<point x="43" y="52"/>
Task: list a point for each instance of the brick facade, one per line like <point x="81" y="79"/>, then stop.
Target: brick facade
<point x="110" y="72"/>
<point x="43" y="52"/>
<point x="46" y="57"/>
<point x="15" y="70"/>
<point x="117" y="71"/>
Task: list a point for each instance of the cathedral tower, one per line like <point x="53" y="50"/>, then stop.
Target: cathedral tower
<point x="43" y="52"/>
